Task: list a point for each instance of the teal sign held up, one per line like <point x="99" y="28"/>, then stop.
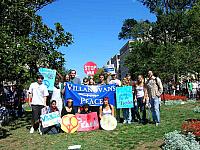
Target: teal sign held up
<point x="49" y="77"/>
<point x="124" y="97"/>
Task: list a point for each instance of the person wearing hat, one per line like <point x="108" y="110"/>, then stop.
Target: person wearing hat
<point x="68" y="109"/>
<point x="118" y="83"/>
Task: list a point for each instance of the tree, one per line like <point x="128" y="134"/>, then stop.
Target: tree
<point x="171" y="44"/>
<point x="26" y="42"/>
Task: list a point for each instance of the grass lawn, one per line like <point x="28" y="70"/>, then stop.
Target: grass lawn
<point x="134" y="136"/>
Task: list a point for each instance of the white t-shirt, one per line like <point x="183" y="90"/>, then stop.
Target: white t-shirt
<point x="116" y="81"/>
<point x="38" y="91"/>
<point x="140" y="91"/>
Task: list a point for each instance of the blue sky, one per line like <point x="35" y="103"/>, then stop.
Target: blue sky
<point x="95" y="25"/>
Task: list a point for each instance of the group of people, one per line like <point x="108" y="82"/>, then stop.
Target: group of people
<point x="146" y="95"/>
<point x="187" y="87"/>
<point x="11" y="99"/>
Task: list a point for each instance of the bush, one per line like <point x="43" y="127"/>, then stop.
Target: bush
<point x="196" y="109"/>
<point x="193" y="126"/>
<point x="177" y="141"/>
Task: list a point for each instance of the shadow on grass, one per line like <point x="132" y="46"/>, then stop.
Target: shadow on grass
<point x="16" y="123"/>
<point x="4" y="133"/>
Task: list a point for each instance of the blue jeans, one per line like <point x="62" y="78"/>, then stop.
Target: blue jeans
<point x="127" y="114"/>
<point x="155" y="104"/>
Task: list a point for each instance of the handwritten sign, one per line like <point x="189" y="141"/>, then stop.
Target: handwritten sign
<point x="69" y="123"/>
<point x="49" y="77"/>
<point x="50" y="119"/>
<point x="124" y="97"/>
<point x="108" y="122"/>
<point x="88" y="122"/>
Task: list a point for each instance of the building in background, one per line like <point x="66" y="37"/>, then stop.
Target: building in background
<point x="115" y="61"/>
<point x="119" y="60"/>
<point x="124" y="51"/>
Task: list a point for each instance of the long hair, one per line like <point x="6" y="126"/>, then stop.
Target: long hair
<point x="105" y="98"/>
<point x="140" y="83"/>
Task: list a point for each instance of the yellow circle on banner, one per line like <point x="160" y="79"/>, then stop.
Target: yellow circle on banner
<point x="108" y="122"/>
<point x="69" y="123"/>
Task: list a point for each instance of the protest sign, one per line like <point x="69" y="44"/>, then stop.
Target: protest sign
<point x="90" y="68"/>
<point x="108" y="122"/>
<point x="50" y="119"/>
<point x="92" y="95"/>
<point x="109" y="68"/>
<point x="69" y="123"/>
<point x="124" y="97"/>
<point x="49" y="77"/>
<point x="88" y="122"/>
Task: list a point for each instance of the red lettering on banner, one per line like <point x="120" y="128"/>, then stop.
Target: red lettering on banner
<point x="88" y="122"/>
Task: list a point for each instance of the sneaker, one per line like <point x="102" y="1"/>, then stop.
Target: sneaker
<point x="32" y="130"/>
<point x="124" y="122"/>
<point x="129" y="122"/>
<point x="39" y="130"/>
<point x="157" y="124"/>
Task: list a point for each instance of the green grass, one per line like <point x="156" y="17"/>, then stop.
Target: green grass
<point x="123" y="137"/>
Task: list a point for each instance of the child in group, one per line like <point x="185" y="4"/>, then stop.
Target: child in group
<point x="55" y="128"/>
<point x="106" y="108"/>
<point x="68" y="109"/>
<point x="86" y="109"/>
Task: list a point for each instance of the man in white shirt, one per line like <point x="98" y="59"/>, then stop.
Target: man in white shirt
<point x="118" y="83"/>
<point x="38" y="92"/>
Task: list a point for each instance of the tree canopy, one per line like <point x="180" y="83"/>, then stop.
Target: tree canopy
<point x="26" y="42"/>
<point x="168" y="46"/>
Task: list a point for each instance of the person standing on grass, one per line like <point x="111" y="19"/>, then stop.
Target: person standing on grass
<point x="141" y="99"/>
<point x="118" y="83"/>
<point x="126" y="111"/>
<point x="39" y="92"/>
<point x="74" y="80"/>
<point x="154" y="90"/>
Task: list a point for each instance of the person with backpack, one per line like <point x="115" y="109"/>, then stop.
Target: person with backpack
<point x="106" y="108"/>
<point x="154" y="90"/>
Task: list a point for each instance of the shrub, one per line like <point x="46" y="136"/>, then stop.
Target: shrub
<point x="192" y="125"/>
<point x="196" y="109"/>
<point x="177" y="141"/>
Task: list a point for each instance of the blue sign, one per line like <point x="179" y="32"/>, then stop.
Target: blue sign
<point x="50" y="119"/>
<point x="124" y="97"/>
<point x="49" y="77"/>
<point x="92" y="95"/>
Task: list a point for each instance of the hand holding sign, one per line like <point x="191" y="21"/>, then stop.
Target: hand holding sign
<point x="90" y="68"/>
